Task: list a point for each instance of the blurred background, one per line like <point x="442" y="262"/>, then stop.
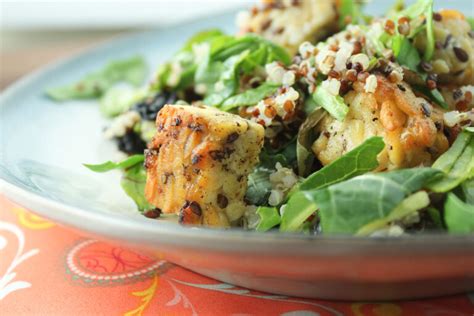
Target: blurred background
<point x="36" y="32"/>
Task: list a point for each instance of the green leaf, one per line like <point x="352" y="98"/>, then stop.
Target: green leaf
<point x="201" y="37"/>
<point x="349" y="9"/>
<point x="93" y="85"/>
<point x="470" y="20"/>
<point x="116" y="101"/>
<point x="269" y="161"/>
<point x="458" y="215"/>
<point x="360" y="160"/>
<point x="430" y="35"/>
<point x="259" y="186"/>
<point x="356" y="162"/>
<point x="306" y="137"/>
<point x="347" y="206"/>
<point x="405" y="53"/>
<point x="269" y="218"/>
<point x="124" y="164"/>
<point x="411" y="204"/>
<point x="228" y="81"/>
<point x="133" y="183"/>
<point x="296" y="212"/>
<point x="468" y="190"/>
<point x="250" y="97"/>
<point x="333" y="104"/>
<point x="457" y="164"/>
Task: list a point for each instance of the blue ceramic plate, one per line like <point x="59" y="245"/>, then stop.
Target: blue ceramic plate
<point x="43" y="146"/>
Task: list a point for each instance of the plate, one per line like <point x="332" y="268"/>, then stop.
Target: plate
<point x="43" y="146"/>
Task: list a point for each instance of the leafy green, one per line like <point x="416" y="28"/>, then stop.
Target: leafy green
<point x="411" y="204"/>
<point x="457" y="164"/>
<point x="202" y="37"/>
<point x="116" y="101"/>
<point x="405" y="53"/>
<point x="458" y="215"/>
<point x="250" y="97"/>
<point x="93" y="85"/>
<point x="259" y="186"/>
<point x="133" y="183"/>
<point x="306" y="137"/>
<point x="110" y="165"/>
<point x="270" y="160"/>
<point x="430" y="35"/>
<point x="435" y="217"/>
<point x="269" y="218"/>
<point x="468" y="190"/>
<point x="133" y="179"/>
<point x="296" y="212"/>
<point x="349" y="13"/>
<point x="470" y="20"/>
<point x="347" y="206"/>
<point x="333" y="104"/>
<point x="356" y="162"/>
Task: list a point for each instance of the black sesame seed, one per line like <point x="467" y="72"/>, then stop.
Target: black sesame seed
<point x="457" y="94"/>
<point x="222" y="201"/>
<point x="439" y="126"/>
<point x="232" y="137"/>
<point x="426" y="109"/>
<point x="195" y="208"/>
<point x="461" y="54"/>
<point x="425" y="66"/>
<point x="195" y="159"/>
<point x="401" y="87"/>
<point x="447" y="41"/>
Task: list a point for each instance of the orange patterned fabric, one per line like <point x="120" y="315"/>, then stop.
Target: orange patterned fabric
<point x="46" y="269"/>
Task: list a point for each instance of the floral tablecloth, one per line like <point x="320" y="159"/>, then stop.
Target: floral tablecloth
<point x="46" y="269"/>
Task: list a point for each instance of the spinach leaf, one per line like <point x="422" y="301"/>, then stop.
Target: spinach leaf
<point x="124" y="164"/>
<point x="270" y="160"/>
<point x="360" y="160"/>
<point x="405" y="53"/>
<point x="458" y="215"/>
<point x="133" y="183"/>
<point x="269" y="218"/>
<point x="201" y="37"/>
<point x="457" y="164"/>
<point x="306" y="137"/>
<point x="93" y="85"/>
<point x="259" y="186"/>
<point x="347" y="206"/>
<point x="470" y="20"/>
<point x="411" y="204"/>
<point x="333" y="104"/>
<point x="250" y="97"/>
<point x="356" y="162"/>
<point x="349" y="13"/>
<point x="116" y="101"/>
<point x="296" y="212"/>
<point x="468" y="190"/>
<point x="228" y="81"/>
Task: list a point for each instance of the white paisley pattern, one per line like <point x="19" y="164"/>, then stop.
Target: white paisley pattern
<point x="8" y="284"/>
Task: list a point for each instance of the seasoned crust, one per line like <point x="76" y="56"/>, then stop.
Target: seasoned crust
<point x="198" y="162"/>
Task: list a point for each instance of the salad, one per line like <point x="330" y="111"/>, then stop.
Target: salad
<point x="314" y="118"/>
